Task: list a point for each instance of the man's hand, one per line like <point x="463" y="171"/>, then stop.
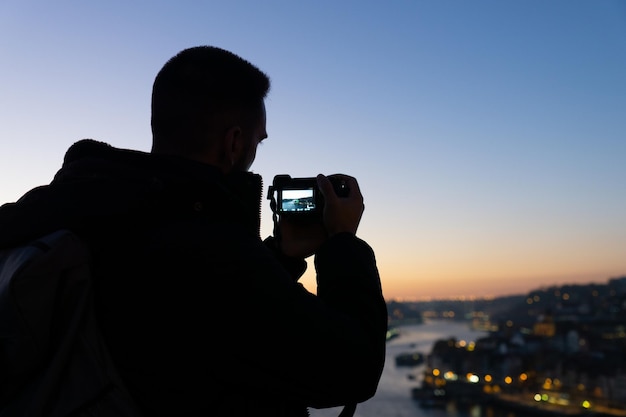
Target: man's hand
<point x="341" y="214"/>
<point x="300" y="240"/>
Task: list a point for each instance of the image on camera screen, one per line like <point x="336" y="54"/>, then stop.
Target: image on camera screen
<point x="298" y="200"/>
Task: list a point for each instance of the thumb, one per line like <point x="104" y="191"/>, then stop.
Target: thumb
<point x="325" y="187"/>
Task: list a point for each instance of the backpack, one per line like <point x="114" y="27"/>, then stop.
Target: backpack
<point x="53" y="360"/>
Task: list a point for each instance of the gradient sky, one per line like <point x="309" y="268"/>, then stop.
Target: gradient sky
<point x="488" y="137"/>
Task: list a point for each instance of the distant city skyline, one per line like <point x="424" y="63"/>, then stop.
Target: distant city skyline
<point x="488" y="137"/>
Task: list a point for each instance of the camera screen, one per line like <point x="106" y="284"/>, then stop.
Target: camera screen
<point x="298" y="200"/>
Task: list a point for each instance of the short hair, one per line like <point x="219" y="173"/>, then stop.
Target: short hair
<point x="199" y="91"/>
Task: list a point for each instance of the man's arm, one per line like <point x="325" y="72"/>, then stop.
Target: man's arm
<point x="349" y="310"/>
<point x="319" y="350"/>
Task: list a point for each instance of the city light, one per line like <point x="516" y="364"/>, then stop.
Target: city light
<point x="547" y="383"/>
<point x="450" y="376"/>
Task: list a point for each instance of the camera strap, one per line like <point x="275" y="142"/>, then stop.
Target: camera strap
<point x="270" y="196"/>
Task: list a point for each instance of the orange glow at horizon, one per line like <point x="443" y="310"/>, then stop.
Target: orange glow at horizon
<point x="449" y="285"/>
<point x="407" y="285"/>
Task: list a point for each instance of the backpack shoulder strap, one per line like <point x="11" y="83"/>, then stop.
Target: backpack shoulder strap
<point x="53" y="361"/>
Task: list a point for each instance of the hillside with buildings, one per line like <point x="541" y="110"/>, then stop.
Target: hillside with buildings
<point x="560" y="350"/>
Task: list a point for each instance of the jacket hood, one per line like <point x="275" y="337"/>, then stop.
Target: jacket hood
<point x="98" y="180"/>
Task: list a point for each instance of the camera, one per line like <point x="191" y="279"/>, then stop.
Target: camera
<point x="301" y="197"/>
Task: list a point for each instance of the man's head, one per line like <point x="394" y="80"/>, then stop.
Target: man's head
<point x="208" y="105"/>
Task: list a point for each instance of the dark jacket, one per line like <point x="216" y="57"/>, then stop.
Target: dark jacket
<point x="201" y="316"/>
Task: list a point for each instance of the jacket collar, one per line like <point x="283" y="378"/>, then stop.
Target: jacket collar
<point x="97" y="180"/>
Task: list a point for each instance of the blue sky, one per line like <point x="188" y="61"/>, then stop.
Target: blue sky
<point x="488" y="137"/>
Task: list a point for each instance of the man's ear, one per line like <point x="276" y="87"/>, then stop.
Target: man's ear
<point x="233" y="145"/>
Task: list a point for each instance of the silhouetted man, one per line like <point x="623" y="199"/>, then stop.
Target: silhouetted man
<point x="201" y="316"/>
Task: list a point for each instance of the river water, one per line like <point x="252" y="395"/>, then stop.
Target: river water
<point x="393" y="398"/>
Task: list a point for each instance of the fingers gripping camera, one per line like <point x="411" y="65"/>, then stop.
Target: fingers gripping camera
<point x="301" y="197"/>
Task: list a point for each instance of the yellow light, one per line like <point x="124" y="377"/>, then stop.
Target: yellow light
<point x="547" y="384"/>
<point x="508" y="380"/>
<point x="488" y="378"/>
<point x="436" y="372"/>
<point x="586" y="404"/>
<point x="523" y="377"/>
